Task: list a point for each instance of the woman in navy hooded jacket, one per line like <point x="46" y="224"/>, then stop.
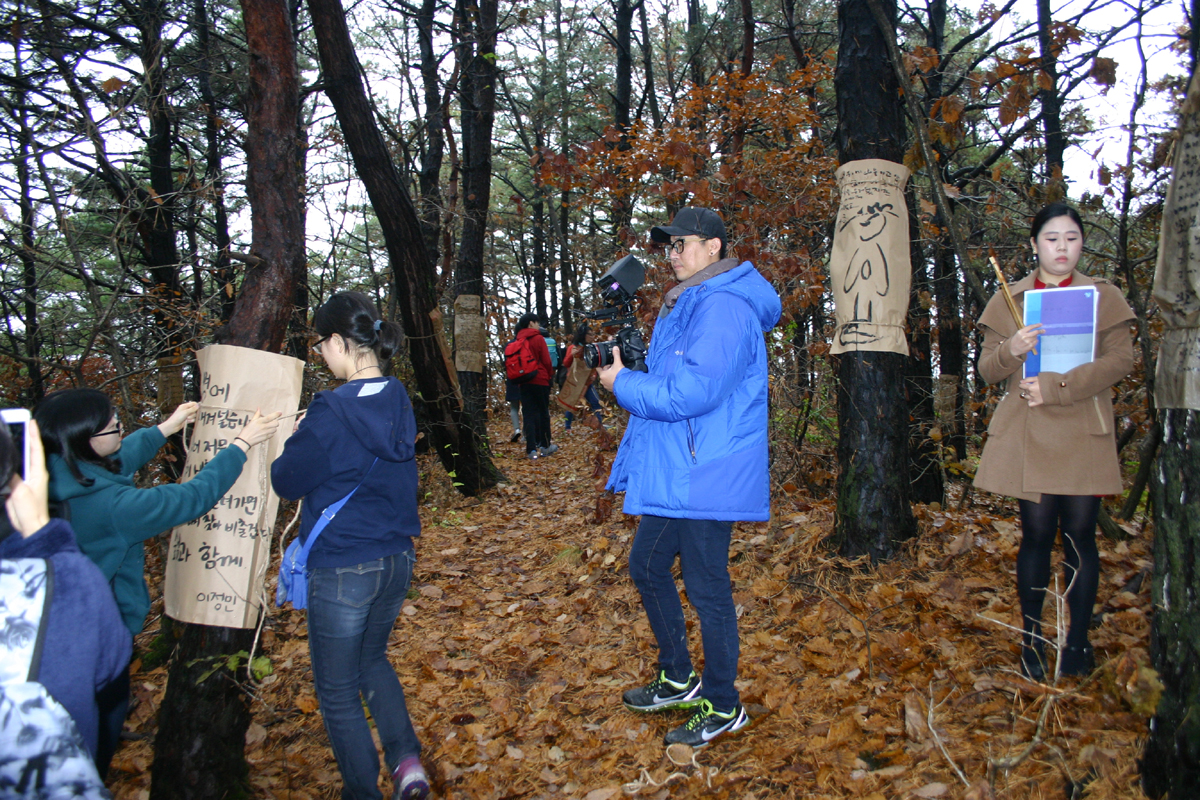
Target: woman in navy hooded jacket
<point x="358" y="435"/>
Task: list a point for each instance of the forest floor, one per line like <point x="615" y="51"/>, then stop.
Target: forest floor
<point x="523" y="629"/>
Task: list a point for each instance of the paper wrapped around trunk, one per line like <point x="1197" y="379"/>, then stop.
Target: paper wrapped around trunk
<point x="1177" y="274"/>
<point x="216" y="564"/>
<point x="869" y="265"/>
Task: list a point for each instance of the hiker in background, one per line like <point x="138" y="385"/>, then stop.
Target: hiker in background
<point x="512" y="396"/>
<point x="355" y="443"/>
<point x="530" y="348"/>
<point x="579" y="384"/>
<point x="552" y="347"/>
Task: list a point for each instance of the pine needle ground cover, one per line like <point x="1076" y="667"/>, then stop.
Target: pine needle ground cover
<point x="523" y="628"/>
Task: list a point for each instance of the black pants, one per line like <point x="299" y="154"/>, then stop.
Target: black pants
<point x="113" y="703"/>
<point x="535" y="403"/>
<point x="1075" y="516"/>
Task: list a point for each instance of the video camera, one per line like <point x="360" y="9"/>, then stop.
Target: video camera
<point x="618" y="290"/>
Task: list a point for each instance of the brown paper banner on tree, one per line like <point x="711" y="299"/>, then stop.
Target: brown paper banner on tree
<point x="1177" y="274"/>
<point x="216" y="564"/>
<point x="869" y="265"/>
<point x="470" y="334"/>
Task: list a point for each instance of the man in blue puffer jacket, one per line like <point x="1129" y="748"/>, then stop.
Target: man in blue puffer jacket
<point x="694" y="460"/>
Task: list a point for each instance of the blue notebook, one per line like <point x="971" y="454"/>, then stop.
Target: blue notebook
<point x="1068" y="317"/>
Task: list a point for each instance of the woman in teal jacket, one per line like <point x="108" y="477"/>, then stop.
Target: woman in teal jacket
<point x="91" y="472"/>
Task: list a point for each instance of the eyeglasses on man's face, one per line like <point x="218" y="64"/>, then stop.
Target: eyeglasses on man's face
<point x="678" y="245"/>
<point x="317" y="344"/>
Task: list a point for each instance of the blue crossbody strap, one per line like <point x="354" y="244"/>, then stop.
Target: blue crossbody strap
<point x="327" y="517"/>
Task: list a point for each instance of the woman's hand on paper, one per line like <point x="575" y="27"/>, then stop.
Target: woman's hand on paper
<point x="1031" y="391"/>
<point x="258" y="429"/>
<point x="185" y="413"/>
<point x="1025" y="339"/>
<point x="299" y="417"/>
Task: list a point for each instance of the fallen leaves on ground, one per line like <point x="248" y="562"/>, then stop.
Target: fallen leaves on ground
<point x="523" y="628"/>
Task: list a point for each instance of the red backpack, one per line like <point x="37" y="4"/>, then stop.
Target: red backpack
<point x="520" y="364"/>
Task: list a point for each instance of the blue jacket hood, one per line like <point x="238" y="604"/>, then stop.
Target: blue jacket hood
<point x="373" y="414"/>
<point x="746" y="282"/>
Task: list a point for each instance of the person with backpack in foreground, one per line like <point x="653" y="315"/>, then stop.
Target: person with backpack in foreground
<point x="693" y="460"/>
<point x="351" y="457"/>
<point x="62" y="641"/>
<point x="527" y="362"/>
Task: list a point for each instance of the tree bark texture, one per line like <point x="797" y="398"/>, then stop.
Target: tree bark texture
<point x="873" y="506"/>
<point x="273" y="183"/>
<point x="412" y="269"/>
<point x="1171" y="761"/>
<point x="200" y="747"/>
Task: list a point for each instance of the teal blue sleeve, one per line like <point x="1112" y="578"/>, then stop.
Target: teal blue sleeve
<point x="139" y="447"/>
<point x="141" y="513"/>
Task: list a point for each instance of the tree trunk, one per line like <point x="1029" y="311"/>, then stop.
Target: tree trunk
<point x="925" y="469"/>
<point x="430" y="176"/>
<point x="1171" y="761"/>
<point x="1056" y="143"/>
<point x="477" y="98"/>
<point x="199" y="751"/>
<point x="214" y="171"/>
<point x="461" y="452"/>
<point x="873" y="507"/>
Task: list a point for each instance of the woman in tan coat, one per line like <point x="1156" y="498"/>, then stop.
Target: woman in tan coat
<point x="1050" y="442"/>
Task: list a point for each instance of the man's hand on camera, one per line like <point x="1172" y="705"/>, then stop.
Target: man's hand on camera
<point x="608" y="375"/>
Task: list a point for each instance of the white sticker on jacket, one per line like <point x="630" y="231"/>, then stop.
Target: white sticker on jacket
<point x="369" y="389"/>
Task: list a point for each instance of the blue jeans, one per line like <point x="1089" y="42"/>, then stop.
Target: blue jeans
<point x="703" y="549"/>
<point x="351" y="612"/>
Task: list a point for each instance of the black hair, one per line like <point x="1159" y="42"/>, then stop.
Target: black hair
<point x="525" y="319"/>
<point x="724" y="250"/>
<point x="354" y="317"/>
<point x="581" y="332"/>
<point x="68" y="420"/>
<point x="1053" y="211"/>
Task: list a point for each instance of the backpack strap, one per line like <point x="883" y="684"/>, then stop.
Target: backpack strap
<point x="327" y="517"/>
<point x="35" y="663"/>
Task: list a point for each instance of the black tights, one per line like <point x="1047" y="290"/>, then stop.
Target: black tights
<point x="1076" y="516"/>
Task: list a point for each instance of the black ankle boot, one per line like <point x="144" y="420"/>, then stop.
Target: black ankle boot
<point x="1033" y="662"/>
<point x="1077" y="661"/>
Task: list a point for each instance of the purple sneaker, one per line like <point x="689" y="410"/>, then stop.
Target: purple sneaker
<point x="409" y="781"/>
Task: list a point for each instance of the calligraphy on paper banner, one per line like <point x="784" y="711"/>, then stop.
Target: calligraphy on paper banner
<point x="1177" y="274"/>
<point x="869" y="265"/>
<point x="216" y="564"/>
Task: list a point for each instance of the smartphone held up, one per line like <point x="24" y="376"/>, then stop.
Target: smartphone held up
<point x="17" y="420"/>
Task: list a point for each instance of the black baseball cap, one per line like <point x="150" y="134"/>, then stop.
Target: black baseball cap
<point x="691" y="221"/>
